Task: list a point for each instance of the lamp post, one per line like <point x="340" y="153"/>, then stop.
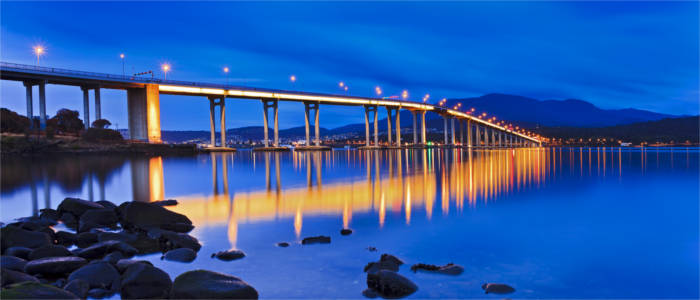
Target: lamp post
<point x="166" y="68"/>
<point x="404" y="94"/>
<point x="226" y="71"/>
<point x="123" y="69"/>
<point x="38" y="51"/>
<point x="378" y="90"/>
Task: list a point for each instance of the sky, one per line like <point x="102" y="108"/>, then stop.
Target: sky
<point x="612" y="54"/>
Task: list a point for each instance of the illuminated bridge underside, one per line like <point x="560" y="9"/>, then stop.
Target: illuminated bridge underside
<point x="32" y="75"/>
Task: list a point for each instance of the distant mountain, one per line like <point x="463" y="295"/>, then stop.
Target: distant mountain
<point x="575" y="113"/>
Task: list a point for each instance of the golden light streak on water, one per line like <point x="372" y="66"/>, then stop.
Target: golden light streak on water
<point x="157" y="185"/>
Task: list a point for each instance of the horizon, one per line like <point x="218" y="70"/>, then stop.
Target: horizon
<point x="596" y="67"/>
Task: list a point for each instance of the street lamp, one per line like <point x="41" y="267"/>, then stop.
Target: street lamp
<point x="123" y="69"/>
<point x="38" y="51"/>
<point x="426" y="97"/>
<point x="378" y="90"/>
<point x="226" y="71"/>
<point x="341" y="84"/>
<point x="404" y="94"/>
<point x="292" y="78"/>
<point x="166" y="68"/>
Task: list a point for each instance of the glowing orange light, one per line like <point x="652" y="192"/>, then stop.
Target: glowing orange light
<point x="404" y="94"/>
<point x="225" y="69"/>
<point x="292" y="78"/>
<point x="121" y="56"/>
<point x="341" y="84"/>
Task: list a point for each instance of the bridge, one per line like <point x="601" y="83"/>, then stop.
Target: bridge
<point x="143" y="101"/>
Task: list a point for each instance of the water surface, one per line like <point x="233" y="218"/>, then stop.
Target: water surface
<point x="552" y="222"/>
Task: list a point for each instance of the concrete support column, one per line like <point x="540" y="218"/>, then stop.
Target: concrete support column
<point x="212" y="126"/>
<point x="376" y="128"/>
<point x="144" y="113"/>
<point x="500" y="139"/>
<point x="86" y="106"/>
<point x="30" y="104"/>
<point x="388" y="128"/>
<point x="422" y="127"/>
<point x="415" y="127"/>
<point x="493" y="137"/>
<point x="469" y="133"/>
<point x="486" y="136"/>
<point x="42" y="105"/>
<point x="98" y="104"/>
<point x="266" y="140"/>
<point x="222" y="120"/>
<point x="452" y="129"/>
<point x="444" y="118"/>
<point x="306" y="122"/>
<point x="366" y="128"/>
<point x="317" y="142"/>
<point x="398" y="127"/>
<point x="478" y="135"/>
<point x="461" y="132"/>
<point x="277" y="128"/>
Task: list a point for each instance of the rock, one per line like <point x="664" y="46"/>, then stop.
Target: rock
<point x="106" y="204"/>
<point x="370" y="293"/>
<point x="77" y="207"/>
<point x="66" y="238"/>
<point x="49" y="214"/>
<point x="12" y="263"/>
<point x="372" y="249"/>
<point x="34" y="290"/>
<point x="180" y="254"/>
<point x="386" y="262"/>
<point x="169" y="202"/>
<point x="100" y="249"/>
<point x="141" y="281"/>
<point x="346" y="231"/>
<point x="497" y="288"/>
<point x="54" y="265"/>
<point x="13" y="236"/>
<point x="49" y="251"/>
<point x="229" y="255"/>
<point x="70" y="220"/>
<point x="321" y="239"/>
<point x="124" y="264"/>
<point x="113" y="257"/>
<point x="390" y="284"/>
<point x="202" y="284"/>
<point x="147" y="215"/>
<point x="98" y="274"/>
<point x="173" y="240"/>
<point x="283" y="244"/>
<point x="86" y="239"/>
<point x="34" y="223"/>
<point x="448" y="269"/>
<point x="21" y="252"/>
<point x="59" y="283"/>
<point x="99" y="293"/>
<point x="145" y="244"/>
<point x="78" y="287"/>
<point x="96" y="218"/>
<point x="13" y="276"/>
<point x="121" y="236"/>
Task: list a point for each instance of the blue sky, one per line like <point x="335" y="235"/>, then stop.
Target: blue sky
<point x="615" y="55"/>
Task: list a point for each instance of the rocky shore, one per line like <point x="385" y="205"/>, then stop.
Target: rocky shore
<point x="95" y="257"/>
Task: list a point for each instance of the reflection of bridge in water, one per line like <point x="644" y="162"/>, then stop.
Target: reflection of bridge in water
<point x="407" y="182"/>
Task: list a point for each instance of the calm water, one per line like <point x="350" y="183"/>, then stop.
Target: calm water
<point x="565" y="223"/>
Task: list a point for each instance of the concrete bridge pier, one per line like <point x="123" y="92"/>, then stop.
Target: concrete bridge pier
<point x="461" y="132"/>
<point x="398" y="127"/>
<point x="86" y="106"/>
<point x="415" y="128"/>
<point x="98" y="104"/>
<point x="452" y="130"/>
<point x="144" y="113"/>
<point x="478" y="135"/>
<point x="486" y="136"/>
<point x="221" y="103"/>
<point x="30" y="103"/>
<point x="444" y="118"/>
<point x="42" y="105"/>
<point x="308" y="107"/>
<point x="422" y="127"/>
<point x="389" y="111"/>
<point x="274" y="105"/>
<point x="372" y="109"/>
<point x="500" y="139"/>
<point x="469" y="133"/>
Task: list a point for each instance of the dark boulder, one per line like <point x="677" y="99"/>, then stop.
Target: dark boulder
<point x="147" y="215"/>
<point x="99" y="293"/>
<point x="21" y="252"/>
<point x="49" y="214"/>
<point x="124" y="264"/>
<point x="78" y="287"/>
<point x="497" y="288"/>
<point x="101" y="249"/>
<point x="86" y="239"/>
<point x="390" y="284"/>
<point x="77" y="207"/>
<point x="202" y="284"/>
<point x="229" y="255"/>
<point x="97" y="218"/>
<point x="346" y="231"/>
<point x="54" y="265"/>
<point x="13" y="263"/>
<point x="448" y="269"/>
<point x="321" y="239"/>
<point x="283" y="244"/>
<point x="180" y="254"/>
<point x="106" y="204"/>
<point x="49" y="251"/>
<point x="173" y="240"/>
<point x="13" y="276"/>
<point x="34" y="223"/>
<point x="122" y="236"/>
<point x="169" y="202"/>
<point x="113" y="257"/>
<point x="34" y="290"/>
<point x="99" y="274"/>
<point x="70" y="220"/>
<point x="142" y="281"/>
<point x="145" y="244"/>
<point x="66" y="238"/>
<point x="386" y="262"/>
<point x="13" y="236"/>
